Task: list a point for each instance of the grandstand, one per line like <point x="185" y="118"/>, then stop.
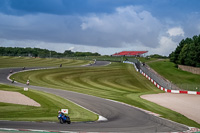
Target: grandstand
<point x="131" y="53"/>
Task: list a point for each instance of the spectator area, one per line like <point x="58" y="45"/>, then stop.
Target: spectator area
<point x="130" y="53"/>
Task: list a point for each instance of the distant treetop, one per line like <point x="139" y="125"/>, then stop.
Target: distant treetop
<point x="43" y="53"/>
<point x="187" y="52"/>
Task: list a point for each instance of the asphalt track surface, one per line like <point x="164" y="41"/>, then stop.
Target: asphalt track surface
<point x="121" y="118"/>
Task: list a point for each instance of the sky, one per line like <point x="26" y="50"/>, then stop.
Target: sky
<point x="103" y="26"/>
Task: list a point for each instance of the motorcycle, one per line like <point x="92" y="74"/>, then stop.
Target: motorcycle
<point x="13" y="80"/>
<point x="27" y="83"/>
<point x="63" y="118"/>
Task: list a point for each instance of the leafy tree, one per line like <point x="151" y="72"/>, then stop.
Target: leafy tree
<point x="172" y="56"/>
<point x="187" y="52"/>
<point x="43" y="53"/>
<point x="183" y="54"/>
<point x="68" y="53"/>
<point x="157" y="56"/>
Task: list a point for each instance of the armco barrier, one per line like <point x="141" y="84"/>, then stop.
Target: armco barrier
<point x="159" y="86"/>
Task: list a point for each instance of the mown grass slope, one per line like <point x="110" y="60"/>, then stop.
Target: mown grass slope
<point x="6" y="61"/>
<point x="50" y="105"/>
<point x="182" y="79"/>
<point x="117" y="81"/>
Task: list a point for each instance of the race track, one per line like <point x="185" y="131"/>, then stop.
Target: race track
<point x="121" y="118"/>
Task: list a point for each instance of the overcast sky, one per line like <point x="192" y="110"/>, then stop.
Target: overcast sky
<point x="103" y="26"/>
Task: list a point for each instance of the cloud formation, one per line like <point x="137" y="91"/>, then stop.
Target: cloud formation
<point x="176" y="31"/>
<point x="127" y="25"/>
<point x="109" y="30"/>
<point x="130" y="25"/>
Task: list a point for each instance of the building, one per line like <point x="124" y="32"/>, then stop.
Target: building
<point x="131" y="53"/>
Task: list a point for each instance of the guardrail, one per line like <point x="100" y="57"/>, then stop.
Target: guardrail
<point x="139" y="67"/>
<point x="148" y="71"/>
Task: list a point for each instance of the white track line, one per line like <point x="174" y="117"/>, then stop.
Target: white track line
<point x="101" y="118"/>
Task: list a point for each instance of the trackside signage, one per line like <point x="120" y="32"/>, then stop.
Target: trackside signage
<point x="65" y="111"/>
<point x="25" y="89"/>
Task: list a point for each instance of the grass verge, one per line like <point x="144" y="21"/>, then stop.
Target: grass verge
<point x="182" y="79"/>
<point x="6" y="61"/>
<point x="119" y="82"/>
<point x="50" y="105"/>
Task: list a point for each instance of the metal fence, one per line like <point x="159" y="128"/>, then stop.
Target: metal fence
<point x="154" y="75"/>
<point x="98" y="58"/>
<point x="144" y="68"/>
<point x="193" y="87"/>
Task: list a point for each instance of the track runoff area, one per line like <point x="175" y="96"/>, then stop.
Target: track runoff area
<point x="119" y="117"/>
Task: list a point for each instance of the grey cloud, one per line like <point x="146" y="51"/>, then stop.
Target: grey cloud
<point x="192" y="25"/>
<point x="43" y="27"/>
<point x="127" y="25"/>
<point x="124" y="26"/>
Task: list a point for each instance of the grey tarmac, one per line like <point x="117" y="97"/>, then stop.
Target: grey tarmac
<point x="121" y="118"/>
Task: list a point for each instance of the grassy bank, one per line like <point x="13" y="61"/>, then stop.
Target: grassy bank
<point x="50" y="105"/>
<point x="182" y="79"/>
<point x="117" y="81"/>
<point x="6" y="61"/>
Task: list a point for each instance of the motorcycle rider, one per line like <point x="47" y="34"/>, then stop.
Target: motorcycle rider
<point x="13" y="80"/>
<point x="27" y="83"/>
<point x="63" y="118"/>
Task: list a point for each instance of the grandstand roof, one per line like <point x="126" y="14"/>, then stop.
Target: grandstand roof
<point x="130" y="53"/>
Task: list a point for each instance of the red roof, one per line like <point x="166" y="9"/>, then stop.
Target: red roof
<point x="130" y="53"/>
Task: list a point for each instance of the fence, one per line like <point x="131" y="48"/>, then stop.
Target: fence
<point x="154" y="75"/>
<point x="98" y="58"/>
<point x="146" y="69"/>
<point x="193" y="87"/>
<point x="161" y="80"/>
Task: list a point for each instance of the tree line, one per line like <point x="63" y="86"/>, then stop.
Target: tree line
<point x="187" y="52"/>
<point x="42" y="53"/>
<point x="157" y="56"/>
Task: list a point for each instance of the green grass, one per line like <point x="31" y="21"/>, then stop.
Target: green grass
<point x="101" y="58"/>
<point x="113" y="58"/>
<point x="6" y="61"/>
<point x="183" y="79"/>
<point x="117" y="81"/>
<point x="143" y="59"/>
<point x="50" y="105"/>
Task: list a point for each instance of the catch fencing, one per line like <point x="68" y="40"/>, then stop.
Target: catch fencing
<point x="142" y="67"/>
